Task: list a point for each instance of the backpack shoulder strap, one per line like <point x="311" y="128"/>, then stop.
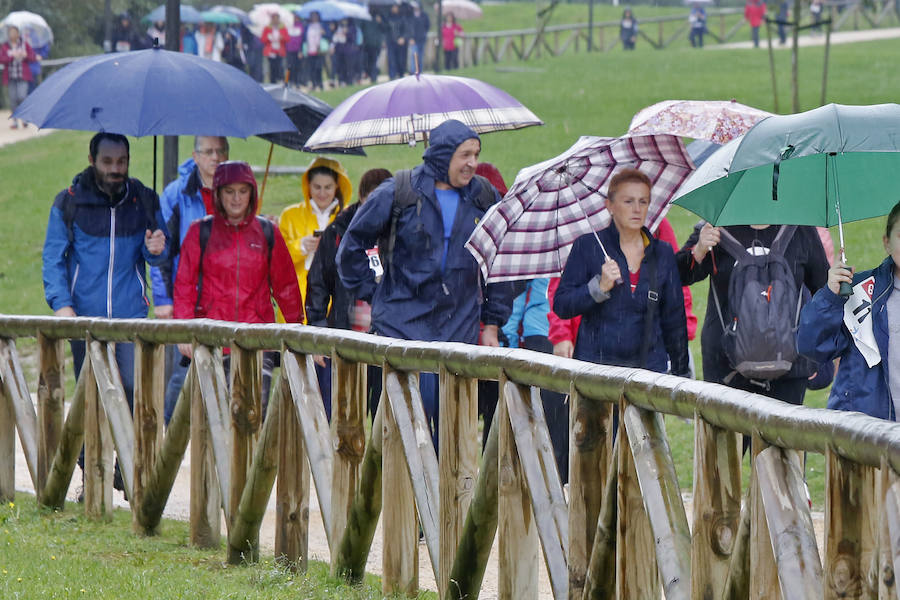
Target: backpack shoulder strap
<point x="731" y="245"/>
<point x="205" y="230"/>
<point x="69" y="214"/>
<point x="269" y="232"/>
<point x="404" y="196"/>
<point x="782" y="239"/>
<point x="485" y="198"/>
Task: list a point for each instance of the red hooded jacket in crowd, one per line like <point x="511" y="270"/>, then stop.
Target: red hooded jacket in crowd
<point x="238" y="280"/>
<point x="755" y="12"/>
<point x="562" y="330"/>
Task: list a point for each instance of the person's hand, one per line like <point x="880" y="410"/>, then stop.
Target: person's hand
<point x="709" y="238"/>
<point x="839" y="273"/>
<point x="155" y="242"/>
<point x="489" y="336"/>
<point x="609" y="275"/>
<point x="319" y="359"/>
<point x="65" y="311"/>
<point x="309" y="244"/>
<point x="162" y="311"/>
<point x="564" y="348"/>
<point x="186" y="350"/>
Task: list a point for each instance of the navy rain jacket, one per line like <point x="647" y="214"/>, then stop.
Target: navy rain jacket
<point x="416" y="299"/>
<point x="611" y="332"/>
<point x="823" y="337"/>
<point x="102" y="273"/>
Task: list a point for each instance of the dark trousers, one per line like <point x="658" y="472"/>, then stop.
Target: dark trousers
<point x="276" y="69"/>
<point x="754" y="33"/>
<point x="696" y="38"/>
<point x="396" y="59"/>
<point x="370" y="61"/>
<point x="315" y="65"/>
<point x="451" y="59"/>
<point x="293" y="66"/>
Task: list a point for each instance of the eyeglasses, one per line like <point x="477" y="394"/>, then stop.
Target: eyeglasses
<point x="209" y="152"/>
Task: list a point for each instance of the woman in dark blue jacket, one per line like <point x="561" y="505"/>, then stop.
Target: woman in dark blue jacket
<point x="823" y="334"/>
<point x="613" y="294"/>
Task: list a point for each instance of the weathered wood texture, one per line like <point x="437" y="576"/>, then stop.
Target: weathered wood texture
<point x="241" y="419"/>
<point x="737" y="583"/>
<point x="98" y="450"/>
<point x="400" y="558"/>
<point x="7" y="446"/>
<point x="115" y="407"/>
<point x="301" y="375"/>
<point x="763" y="570"/>
<point x="526" y="415"/>
<point x="717" y="507"/>
<point x="637" y="575"/>
<point x="892" y="512"/>
<point x="600" y="578"/>
<point x="458" y="465"/>
<point x="418" y="450"/>
<point x="353" y="550"/>
<point x="292" y="486"/>
<point x="16" y="391"/>
<point x="214" y="398"/>
<point x="169" y="458"/>
<point x="206" y="497"/>
<point x="881" y="578"/>
<point x="348" y="410"/>
<point x="243" y="536"/>
<point x="517" y="530"/>
<point x="50" y="404"/>
<point x="791" y="530"/>
<point x="149" y="421"/>
<point x="477" y="536"/>
<point x="662" y="499"/>
<point x="845" y="513"/>
<point x="590" y="446"/>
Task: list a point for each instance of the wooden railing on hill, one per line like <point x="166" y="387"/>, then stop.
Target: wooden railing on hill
<point x="622" y="532"/>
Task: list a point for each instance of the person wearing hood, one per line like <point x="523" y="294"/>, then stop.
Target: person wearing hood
<point x="126" y="37"/>
<point x="431" y="289"/>
<point x="326" y="190"/>
<point x="102" y="232"/>
<point x="188" y="198"/>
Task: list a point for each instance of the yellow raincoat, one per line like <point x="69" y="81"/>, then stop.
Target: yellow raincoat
<point x="298" y="220"/>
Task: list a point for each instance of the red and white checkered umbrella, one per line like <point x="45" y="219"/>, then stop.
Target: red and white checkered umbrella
<point x="529" y="233"/>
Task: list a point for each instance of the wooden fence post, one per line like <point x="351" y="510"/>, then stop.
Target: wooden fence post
<point x="792" y="535"/>
<point x="206" y="497"/>
<point x="400" y="559"/>
<point x="98" y="448"/>
<point x="149" y="421"/>
<point x="590" y="446"/>
<point x="7" y="445"/>
<point x="717" y="506"/>
<point x="292" y="486"/>
<point x="245" y="415"/>
<point x="600" y="579"/>
<point x="51" y="399"/>
<point x="845" y="513"/>
<point x="763" y="571"/>
<point x="458" y="464"/>
<point x="517" y="532"/>
<point x="348" y="410"/>
<point x="882" y="579"/>
<point x="637" y="575"/>
<point x="16" y="390"/>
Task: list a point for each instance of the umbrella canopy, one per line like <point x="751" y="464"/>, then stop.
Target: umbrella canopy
<point x="334" y="10"/>
<point x="461" y="9"/>
<point x="405" y="110"/>
<point x="219" y="17"/>
<point x="153" y="92"/>
<point x="716" y="121"/>
<point x="33" y="27"/>
<point x="261" y="15"/>
<point x="306" y="112"/>
<point x="232" y="10"/>
<point x="531" y="231"/>
<point x="795" y="169"/>
<point x="188" y="13"/>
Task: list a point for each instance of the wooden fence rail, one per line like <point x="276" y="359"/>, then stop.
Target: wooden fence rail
<point x="622" y="531"/>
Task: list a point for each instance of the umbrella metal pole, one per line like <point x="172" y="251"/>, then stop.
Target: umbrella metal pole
<point x="596" y="237"/>
<point x="154" y="164"/>
<point x="846" y="290"/>
<point x="262" y="190"/>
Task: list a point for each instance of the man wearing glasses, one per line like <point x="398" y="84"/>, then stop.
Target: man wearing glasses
<point x="188" y="198"/>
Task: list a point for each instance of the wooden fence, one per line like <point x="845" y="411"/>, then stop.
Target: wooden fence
<point x="622" y="532"/>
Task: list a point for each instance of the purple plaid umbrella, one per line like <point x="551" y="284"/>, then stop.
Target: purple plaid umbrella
<point x="405" y="110"/>
<point x="530" y="232"/>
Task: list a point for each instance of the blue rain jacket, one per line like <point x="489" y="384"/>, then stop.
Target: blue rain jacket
<point x="529" y="313"/>
<point x="102" y="273"/>
<point x="822" y="336"/>
<point x="611" y="332"/>
<point x="416" y="299"/>
<point x="183" y="197"/>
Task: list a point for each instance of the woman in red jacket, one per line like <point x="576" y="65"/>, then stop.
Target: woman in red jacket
<point x="233" y="263"/>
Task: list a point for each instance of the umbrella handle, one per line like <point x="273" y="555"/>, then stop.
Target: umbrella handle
<point x="262" y="190"/>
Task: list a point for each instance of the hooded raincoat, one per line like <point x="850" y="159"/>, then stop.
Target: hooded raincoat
<point x="238" y="278"/>
<point x="417" y="298"/>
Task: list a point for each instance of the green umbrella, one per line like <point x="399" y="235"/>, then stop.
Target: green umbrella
<point x="219" y="18"/>
<point x="796" y="169"/>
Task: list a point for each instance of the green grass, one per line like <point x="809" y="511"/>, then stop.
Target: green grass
<point x="63" y="555"/>
<point x="579" y="94"/>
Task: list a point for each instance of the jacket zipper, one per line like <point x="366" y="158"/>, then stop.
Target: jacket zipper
<point x="112" y="260"/>
<point x="237" y="283"/>
<point x="143" y="287"/>
<point x="74" y="279"/>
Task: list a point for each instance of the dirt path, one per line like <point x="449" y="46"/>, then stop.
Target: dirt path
<point x="11" y="136"/>
<point x="810" y="39"/>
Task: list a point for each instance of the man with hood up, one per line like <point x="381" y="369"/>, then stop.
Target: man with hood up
<point x="431" y="288"/>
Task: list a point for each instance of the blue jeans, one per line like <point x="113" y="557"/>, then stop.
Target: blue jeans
<point x="176" y="381"/>
<point x="416" y="53"/>
<point x="430" y="391"/>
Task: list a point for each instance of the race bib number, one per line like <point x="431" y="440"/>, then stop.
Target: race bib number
<point x="375" y="262"/>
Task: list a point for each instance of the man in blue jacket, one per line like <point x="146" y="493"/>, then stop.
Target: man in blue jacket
<point x="188" y="198"/>
<point x="102" y="231"/>
<point x="431" y="288"/>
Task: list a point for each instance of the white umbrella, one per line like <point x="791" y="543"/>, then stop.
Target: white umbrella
<point x="32" y="26"/>
<point x="462" y="9"/>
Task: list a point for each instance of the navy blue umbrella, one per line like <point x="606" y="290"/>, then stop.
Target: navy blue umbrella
<point x="154" y="92"/>
<point x="188" y="13"/>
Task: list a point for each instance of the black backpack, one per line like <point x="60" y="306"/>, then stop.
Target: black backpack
<point x="764" y="300"/>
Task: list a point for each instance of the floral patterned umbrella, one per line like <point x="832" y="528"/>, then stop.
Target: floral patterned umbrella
<point x="718" y="121"/>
